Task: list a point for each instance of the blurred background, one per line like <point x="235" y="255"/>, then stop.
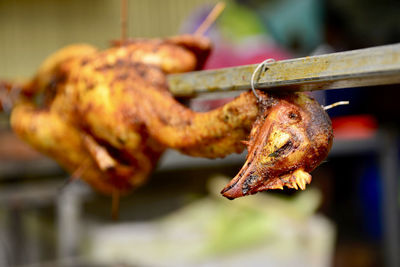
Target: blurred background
<point x="348" y="216"/>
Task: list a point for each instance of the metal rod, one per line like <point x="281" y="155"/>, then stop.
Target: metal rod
<point x="364" y="67"/>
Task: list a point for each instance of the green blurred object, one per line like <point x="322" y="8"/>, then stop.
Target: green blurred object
<point x="259" y="230"/>
<point x="238" y="22"/>
<point x="228" y="234"/>
<point x="254" y="219"/>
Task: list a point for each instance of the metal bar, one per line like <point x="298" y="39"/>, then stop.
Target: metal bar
<point x="69" y="211"/>
<point x="364" y="67"/>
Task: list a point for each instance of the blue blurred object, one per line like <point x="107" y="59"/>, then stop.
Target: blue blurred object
<point x="370" y="197"/>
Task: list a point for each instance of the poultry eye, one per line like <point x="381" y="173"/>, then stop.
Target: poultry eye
<point x="294" y="116"/>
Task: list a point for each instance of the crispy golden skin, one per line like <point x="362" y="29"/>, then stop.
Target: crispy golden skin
<point x="110" y="116"/>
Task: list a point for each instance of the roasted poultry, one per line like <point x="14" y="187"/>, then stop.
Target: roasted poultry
<point x="107" y="116"/>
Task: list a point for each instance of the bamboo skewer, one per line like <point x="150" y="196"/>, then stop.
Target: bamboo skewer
<point x="210" y="19"/>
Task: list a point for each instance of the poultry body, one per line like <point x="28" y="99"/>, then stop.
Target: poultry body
<point x="107" y="116"/>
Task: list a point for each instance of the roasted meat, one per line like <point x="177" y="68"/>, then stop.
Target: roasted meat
<point x="108" y="116"/>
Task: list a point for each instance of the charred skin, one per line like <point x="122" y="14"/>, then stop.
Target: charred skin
<point x="110" y="116"/>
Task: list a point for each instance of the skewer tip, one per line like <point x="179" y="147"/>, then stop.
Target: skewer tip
<point x="336" y="104"/>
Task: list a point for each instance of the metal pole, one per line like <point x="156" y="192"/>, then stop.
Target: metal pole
<point x="390" y="196"/>
<point x="68" y="220"/>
